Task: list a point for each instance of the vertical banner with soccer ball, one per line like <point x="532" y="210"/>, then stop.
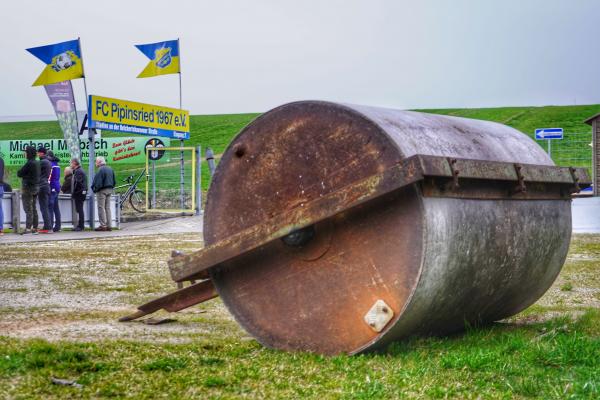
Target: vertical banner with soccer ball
<point x="62" y="99"/>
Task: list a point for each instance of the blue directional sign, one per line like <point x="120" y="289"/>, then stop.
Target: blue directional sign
<point x="548" y="133"/>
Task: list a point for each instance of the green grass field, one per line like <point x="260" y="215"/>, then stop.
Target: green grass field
<point x="58" y="312"/>
<point x="495" y="362"/>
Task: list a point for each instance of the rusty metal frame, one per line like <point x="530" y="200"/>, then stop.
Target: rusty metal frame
<point x="547" y="180"/>
<point x="176" y="301"/>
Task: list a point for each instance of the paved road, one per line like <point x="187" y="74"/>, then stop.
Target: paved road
<point x="138" y="228"/>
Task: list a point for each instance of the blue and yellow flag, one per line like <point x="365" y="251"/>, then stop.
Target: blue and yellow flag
<point x="63" y="62"/>
<point x="164" y="58"/>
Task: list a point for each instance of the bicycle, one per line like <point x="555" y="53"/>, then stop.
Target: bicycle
<point x="135" y="196"/>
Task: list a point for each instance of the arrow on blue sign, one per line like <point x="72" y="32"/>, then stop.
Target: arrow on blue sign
<point x="549" y="133"/>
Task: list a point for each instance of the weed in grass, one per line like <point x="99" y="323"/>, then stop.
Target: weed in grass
<point x="567" y="287"/>
<point x="165" y="364"/>
<point x="214" y="381"/>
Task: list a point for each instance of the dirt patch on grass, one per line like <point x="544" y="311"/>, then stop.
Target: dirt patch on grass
<point x="76" y="290"/>
<point x="190" y="325"/>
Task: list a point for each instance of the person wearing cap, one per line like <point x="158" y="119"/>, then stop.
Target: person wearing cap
<point x="44" y="189"/>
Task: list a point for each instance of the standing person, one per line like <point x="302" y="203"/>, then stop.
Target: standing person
<point x="78" y="192"/>
<point x="66" y="186"/>
<point x="30" y="179"/>
<point x="44" y="189"/>
<point x="1" y="195"/>
<point x="53" y="206"/>
<point x="103" y="185"/>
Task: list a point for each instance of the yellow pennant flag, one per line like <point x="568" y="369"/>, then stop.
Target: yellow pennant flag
<point x="164" y="58"/>
<point x="63" y="62"/>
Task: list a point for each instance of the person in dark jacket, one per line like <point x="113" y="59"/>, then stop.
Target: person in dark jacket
<point x="1" y="195"/>
<point x="44" y="189"/>
<point x="53" y="206"/>
<point x="30" y="179"/>
<point x="103" y="185"/>
<point x="78" y="192"/>
<point x="66" y="186"/>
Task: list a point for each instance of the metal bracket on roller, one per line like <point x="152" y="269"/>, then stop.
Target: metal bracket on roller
<point x="176" y="301"/>
<point x="520" y="188"/>
<point x="479" y="180"/>
<point x="576" y="188"/>
<point x="453" y="185"/>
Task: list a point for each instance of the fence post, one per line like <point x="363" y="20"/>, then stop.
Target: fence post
<point x="90" y="177"/>
<point x="198" y="151"/>
<point x="153" y="205"/>
<point x="181" y="178"/>
<point x="210" y="159"/>
<point x="595" y="156"/>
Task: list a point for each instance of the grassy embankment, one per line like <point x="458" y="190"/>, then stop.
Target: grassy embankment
<point x="216" y="131"/>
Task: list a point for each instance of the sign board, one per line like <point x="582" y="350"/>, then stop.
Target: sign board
<point x="116" y="150"/>
<point x="548" y="133"/>
<point x="155" y="155"/>
<point x="139" y="118"/>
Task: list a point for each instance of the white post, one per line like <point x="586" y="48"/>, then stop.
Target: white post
<point x="153" y="206"/>
<point x="181" y="163"/>
<point x="92" y="148"/>
<point x="198" y="180"/>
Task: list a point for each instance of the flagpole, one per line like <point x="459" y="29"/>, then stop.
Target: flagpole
<point x="83" y="70"/>
<point x="179" y="52"/>
<point x="181" y="164"/>
<point x="92" y="146"/>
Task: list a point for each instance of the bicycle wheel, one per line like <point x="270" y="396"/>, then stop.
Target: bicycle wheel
<point x="137" y="199"/>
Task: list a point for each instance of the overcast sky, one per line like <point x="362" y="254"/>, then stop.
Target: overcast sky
<point x="250" y="56"/>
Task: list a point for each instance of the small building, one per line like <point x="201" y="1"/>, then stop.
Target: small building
<point x="595" y="123"/>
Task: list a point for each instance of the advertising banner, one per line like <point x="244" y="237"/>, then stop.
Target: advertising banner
<point x="63" y="101"/>
<point x="139" y="118"/>
<point x="117" y="150"/>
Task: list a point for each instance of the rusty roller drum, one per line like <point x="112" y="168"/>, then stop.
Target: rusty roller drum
<point x="338" y="229"/>
<point x="405" y="263"/>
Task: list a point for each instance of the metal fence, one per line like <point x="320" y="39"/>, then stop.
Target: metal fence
<point x="169" y="187"/>
<point x="14" y="215"/>
<point x="574" y="150"/>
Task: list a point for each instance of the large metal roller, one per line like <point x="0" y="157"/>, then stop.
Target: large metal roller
<point x="338" y="228"/>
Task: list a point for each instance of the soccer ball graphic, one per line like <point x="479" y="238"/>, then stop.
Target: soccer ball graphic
<point x="63" y="61"/>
